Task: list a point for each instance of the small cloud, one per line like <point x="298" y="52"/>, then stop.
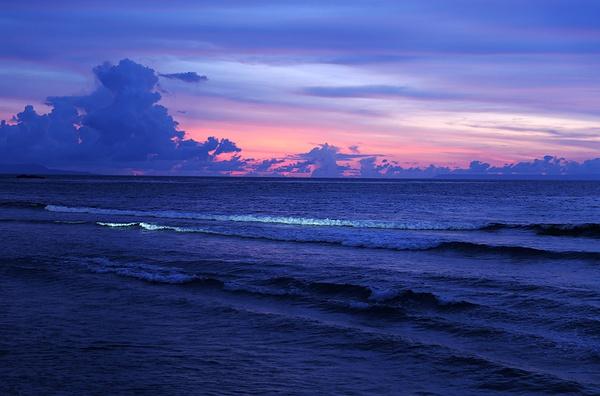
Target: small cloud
<point x="265" y="165"/>
<point x="189" y="77"/>
<point x="324" y="158"/>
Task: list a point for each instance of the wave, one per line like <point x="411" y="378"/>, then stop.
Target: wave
<point x="146" y="272"/>
<point x="367" y="294"/>
<point x="399" y="245"/>
<point x="249" y="218"/>
<point x="22" y="205"/>
<point x="148" y="226"/>
<point x="345" y="296"/>
<point x="513" y="250"/>
<point x="590" y="230"/>
<point x="329" y="288"/>
<point x="404" y="244"/>
<point x="43" y="221"/>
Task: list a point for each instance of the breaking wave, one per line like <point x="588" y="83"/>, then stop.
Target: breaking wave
<point x="588" y="230"/>
<point x="249" y="218"/>
<point x="373" y="243"/>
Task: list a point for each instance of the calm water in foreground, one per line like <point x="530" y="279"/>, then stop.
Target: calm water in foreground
<point x="182" y="286"/>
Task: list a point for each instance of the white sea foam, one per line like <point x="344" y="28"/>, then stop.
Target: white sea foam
<point x="156" y="227"/>
<point x="117" y="224"/>
<point x="152" y="227"/>
<point x="343" y="240"/>
<point x="389" y="242"/>
<point x="249" y="218"/>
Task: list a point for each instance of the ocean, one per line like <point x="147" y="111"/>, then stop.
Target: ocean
<point x="218" y="286"/>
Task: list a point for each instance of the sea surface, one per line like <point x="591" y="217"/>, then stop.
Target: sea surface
<point x="183" y="286"/>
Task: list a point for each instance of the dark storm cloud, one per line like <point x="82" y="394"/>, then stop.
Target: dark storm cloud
<point x="120" y="124"/>
<point x="189" y="77"/>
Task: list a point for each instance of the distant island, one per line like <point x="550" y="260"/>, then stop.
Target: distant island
<point x="30" y="171"/>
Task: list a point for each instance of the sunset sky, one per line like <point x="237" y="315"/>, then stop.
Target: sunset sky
<point x="416" y="82"/>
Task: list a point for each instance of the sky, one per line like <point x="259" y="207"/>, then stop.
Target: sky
<point x="323" y="88"/>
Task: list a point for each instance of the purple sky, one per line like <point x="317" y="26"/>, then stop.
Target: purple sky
<point x="327" y="88"/>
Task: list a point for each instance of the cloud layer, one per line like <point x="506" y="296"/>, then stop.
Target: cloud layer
<point x="420" y="80"/>
<point x="329" y="161"/>
<point x="121" y="128"/>
<point x="546" y="167"/>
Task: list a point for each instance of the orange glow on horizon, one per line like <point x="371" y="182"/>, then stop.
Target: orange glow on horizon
<point x="267" y="141"/>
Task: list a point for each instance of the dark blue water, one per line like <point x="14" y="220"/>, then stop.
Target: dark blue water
<point x="181" y="286"/>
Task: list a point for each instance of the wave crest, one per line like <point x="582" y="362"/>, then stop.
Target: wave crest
<point x="399" y="245"/>
<point x="589" y="230"/>
<point x="250" y="218"/>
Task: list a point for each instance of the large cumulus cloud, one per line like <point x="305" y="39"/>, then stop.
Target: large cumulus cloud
<point x="119" y="125"/>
